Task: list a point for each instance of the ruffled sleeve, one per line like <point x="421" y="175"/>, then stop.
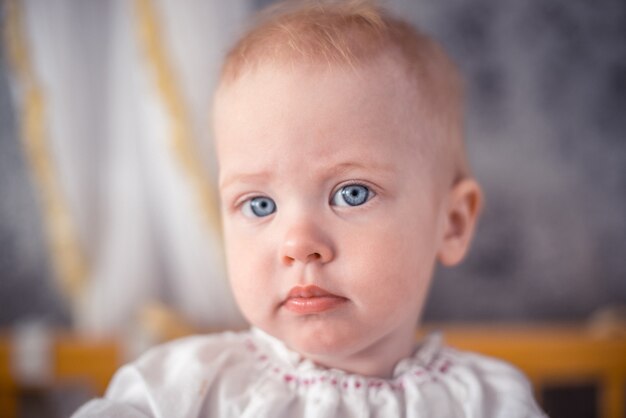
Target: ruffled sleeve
<point x="486" y="387"/>
<point x="171" y="380"/>
<point x="104" y="408"/>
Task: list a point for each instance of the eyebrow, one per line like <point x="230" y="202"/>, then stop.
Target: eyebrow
<point x="366" y="166"/>
<point x="332" y="170"/>
<point x="244" y="178"/>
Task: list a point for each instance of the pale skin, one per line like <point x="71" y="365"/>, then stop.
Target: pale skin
<point x="291" y="142"/>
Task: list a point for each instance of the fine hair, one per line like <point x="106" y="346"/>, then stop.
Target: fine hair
<point x="353" y="33"/>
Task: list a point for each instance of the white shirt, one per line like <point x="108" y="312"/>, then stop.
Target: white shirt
<point x="251" y="374"/>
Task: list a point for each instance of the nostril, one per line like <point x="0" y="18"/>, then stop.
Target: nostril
<point x="289" y="259"/>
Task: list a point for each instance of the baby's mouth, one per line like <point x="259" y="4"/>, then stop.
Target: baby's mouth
<point x="306" y="300"/>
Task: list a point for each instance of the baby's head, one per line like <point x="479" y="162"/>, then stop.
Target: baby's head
<point x="343" y="179"/>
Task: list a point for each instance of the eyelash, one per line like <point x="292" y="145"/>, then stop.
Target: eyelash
<point x="239" y="206"/>
<point x="371" y="191"/>
<point x="248" y="206"/>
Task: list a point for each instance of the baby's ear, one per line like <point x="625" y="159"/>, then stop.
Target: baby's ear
<point x="465" y="202"/>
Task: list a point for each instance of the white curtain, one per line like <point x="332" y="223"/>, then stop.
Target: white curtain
<point x="120" y="150"/>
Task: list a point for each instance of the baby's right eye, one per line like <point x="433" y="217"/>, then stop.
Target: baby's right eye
<point x="258" y="207"/>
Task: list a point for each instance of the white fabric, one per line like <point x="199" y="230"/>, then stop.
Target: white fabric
<point x="251" y="374"/>
<point x="138" y="220"/>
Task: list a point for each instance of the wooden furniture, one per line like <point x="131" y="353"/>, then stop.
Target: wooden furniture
<point x="75" y="360"/>
<point x="553" y="355"/>
<point x="549" y="354"/>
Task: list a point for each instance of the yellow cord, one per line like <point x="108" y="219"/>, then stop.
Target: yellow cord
<point x="182" y="143"/>
<point x="66" y="255"/>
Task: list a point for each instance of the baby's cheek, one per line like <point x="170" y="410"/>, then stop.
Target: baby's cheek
<point x="247" y="270"/>
<point x="392" y="267"/>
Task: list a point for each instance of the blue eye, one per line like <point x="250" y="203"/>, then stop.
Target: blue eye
<point x="351" y="195"/>
<point x="258" y="207"/>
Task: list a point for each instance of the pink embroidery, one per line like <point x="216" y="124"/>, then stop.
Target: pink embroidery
<point x="420" y="374"/>
<point x="375" y="383"/>
<point x="397" y="386"/>
<point x="250" y="346"/>
<point x="369" y="383"/>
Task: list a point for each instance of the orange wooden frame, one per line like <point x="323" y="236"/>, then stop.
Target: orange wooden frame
<point x="554" y="355"/>
<point x="88" y="362"/>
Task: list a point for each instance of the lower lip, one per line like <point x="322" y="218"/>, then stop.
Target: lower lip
<point x="313" y="305"/>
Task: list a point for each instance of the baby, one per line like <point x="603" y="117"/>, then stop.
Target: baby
<point x="343" y="182"/>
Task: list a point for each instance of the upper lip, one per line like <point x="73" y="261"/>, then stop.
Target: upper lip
<point x="309" y="291"/>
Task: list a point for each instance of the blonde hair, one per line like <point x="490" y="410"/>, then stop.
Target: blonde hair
<point x="353" y="33"/>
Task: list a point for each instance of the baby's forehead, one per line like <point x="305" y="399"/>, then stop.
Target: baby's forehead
<point x="384" y="76"/>
<point x="391" y="60"/>
<point x="374" y="89"/>
<point x="361" y="111"/>
<point x="377" y="102"/>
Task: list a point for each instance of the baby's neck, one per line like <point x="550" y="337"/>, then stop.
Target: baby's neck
<point x="376" y="360"/>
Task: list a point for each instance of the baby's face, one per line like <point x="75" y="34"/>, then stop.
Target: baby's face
<point x="332" y="216"/>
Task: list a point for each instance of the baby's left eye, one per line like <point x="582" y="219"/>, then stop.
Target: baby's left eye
<point x="352" y="195"/>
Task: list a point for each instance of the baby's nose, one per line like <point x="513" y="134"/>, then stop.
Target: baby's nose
<point x="305" y="244"/>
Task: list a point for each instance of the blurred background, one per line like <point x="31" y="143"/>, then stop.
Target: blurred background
<point x="108" y="221"/>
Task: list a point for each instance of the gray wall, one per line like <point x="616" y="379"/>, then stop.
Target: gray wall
<point x="546" y="135"/>
<point x="26" y="285"/>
